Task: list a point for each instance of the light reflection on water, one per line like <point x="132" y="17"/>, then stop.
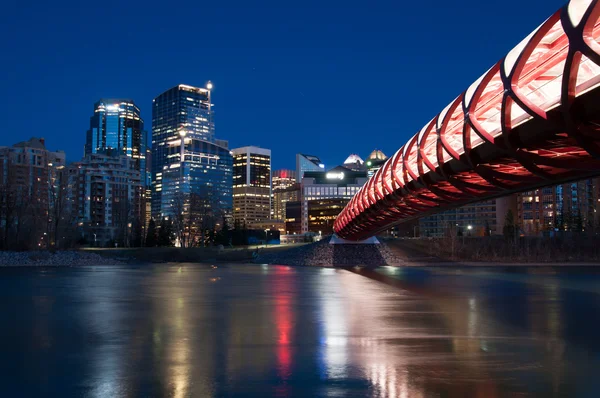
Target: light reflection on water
<point x="279" y="331"/>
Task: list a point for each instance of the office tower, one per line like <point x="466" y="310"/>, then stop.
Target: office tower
<point x="285" y="189"/>
<point x="374" y="162"/>
<point x="251" y="185"/>
<point x="293" y="217"/>
<point x="27" y="193"/>
<point x="323" y="196"/>
<point x="281" y="196"/>
<point x="307" y="163"/>
<point x="105" y="198"/>
<point x="191" y="169"/>
<point x="116" y="129"/>
<point x="283" y="179"/>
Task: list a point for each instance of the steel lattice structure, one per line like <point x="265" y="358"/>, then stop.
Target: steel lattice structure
<point x="532" y="120"/>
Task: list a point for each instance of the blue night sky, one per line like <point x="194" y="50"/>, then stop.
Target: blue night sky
<point x="327" y="78"/>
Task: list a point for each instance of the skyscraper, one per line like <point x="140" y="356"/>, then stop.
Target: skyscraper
<point x="188" y="163"/>
<point x="283" y="179"/>
<point x="116" y="128"/>
<point x="307" y="163"/>
<point x="251" y="185"/>
<point x="285" y="189"/>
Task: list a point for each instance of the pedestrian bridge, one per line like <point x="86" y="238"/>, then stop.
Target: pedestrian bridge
<point x="532" y="120"/>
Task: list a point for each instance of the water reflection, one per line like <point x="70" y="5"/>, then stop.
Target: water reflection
<point x="278" y="331"/>
<point x="282" y="289"/>
<point x="333" y="332"/>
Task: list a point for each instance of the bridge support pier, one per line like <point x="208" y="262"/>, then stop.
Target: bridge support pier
<point x="336" y="240"/>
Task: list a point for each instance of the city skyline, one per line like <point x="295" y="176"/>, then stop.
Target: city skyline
<point x="321" y="76"/>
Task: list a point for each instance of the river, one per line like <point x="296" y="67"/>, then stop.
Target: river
<point x="277" y="331"/>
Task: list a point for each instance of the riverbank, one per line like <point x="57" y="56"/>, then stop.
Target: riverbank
<point x="97" y="256"/>
<point x="56" y="259"/>
<point x="390" y="252"/>
<point x="211" y="254"/>
<point x="492" y="251"/>
<point x="323" y="254"/>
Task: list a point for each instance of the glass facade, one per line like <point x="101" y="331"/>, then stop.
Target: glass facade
<point x="306" y="163"/>
<point x="322" y="213"/>
<point x="281" y="196"/>
<point x="117" y="129"/>
<point x="330" y="191"/>
<point x="186" y="157"/>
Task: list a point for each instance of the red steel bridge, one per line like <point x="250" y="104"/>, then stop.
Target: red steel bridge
<point x="532" y="120"/>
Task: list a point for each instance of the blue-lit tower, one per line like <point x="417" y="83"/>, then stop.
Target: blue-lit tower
<point x="187" y="160"/>
<point x="117" y="128"/>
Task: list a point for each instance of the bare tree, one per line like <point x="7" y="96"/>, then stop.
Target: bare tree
<point x="61" y="214"/>
<point x="194" y="219"/>
<point x="179" y="218"/>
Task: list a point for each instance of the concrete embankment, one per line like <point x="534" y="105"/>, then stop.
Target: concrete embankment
<point x="326" y="255"/>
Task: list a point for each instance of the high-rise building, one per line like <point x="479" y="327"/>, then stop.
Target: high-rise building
<point x="281" y="196"/>
<point x="307" y="163"/>
<point x="283" y="179"/>
<point x="251" y="185"/>
<point x="27" y="188"/>
<point x="285" y="189"/>
<point x="293" y="217"/>
<point x="117" y="128"/>
<point x="563" y="207"/>
<point x="105" y="198"/>
<point x="324" y="195"/>
<point x="188" y="163"/>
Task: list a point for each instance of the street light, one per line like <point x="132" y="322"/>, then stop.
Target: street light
<point x="266" y="237"/>
<point x="209" y="87"/>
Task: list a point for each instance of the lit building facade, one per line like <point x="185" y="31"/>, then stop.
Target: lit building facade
<point x="28" y="183"/>
<point x="306" y="163"/>
<point x="475" y="219"/>
<point x="283" y="179"/>
<point x="324" y="195"/>
<point x="563" y="207"/>
<point x="285" y="189"/>
<point x="105" y="194"/>
<point x="251" y="185"/>
<point x="117" y="128"/>
<point x="187" y="160"/>
<point x="281" y="197"/>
